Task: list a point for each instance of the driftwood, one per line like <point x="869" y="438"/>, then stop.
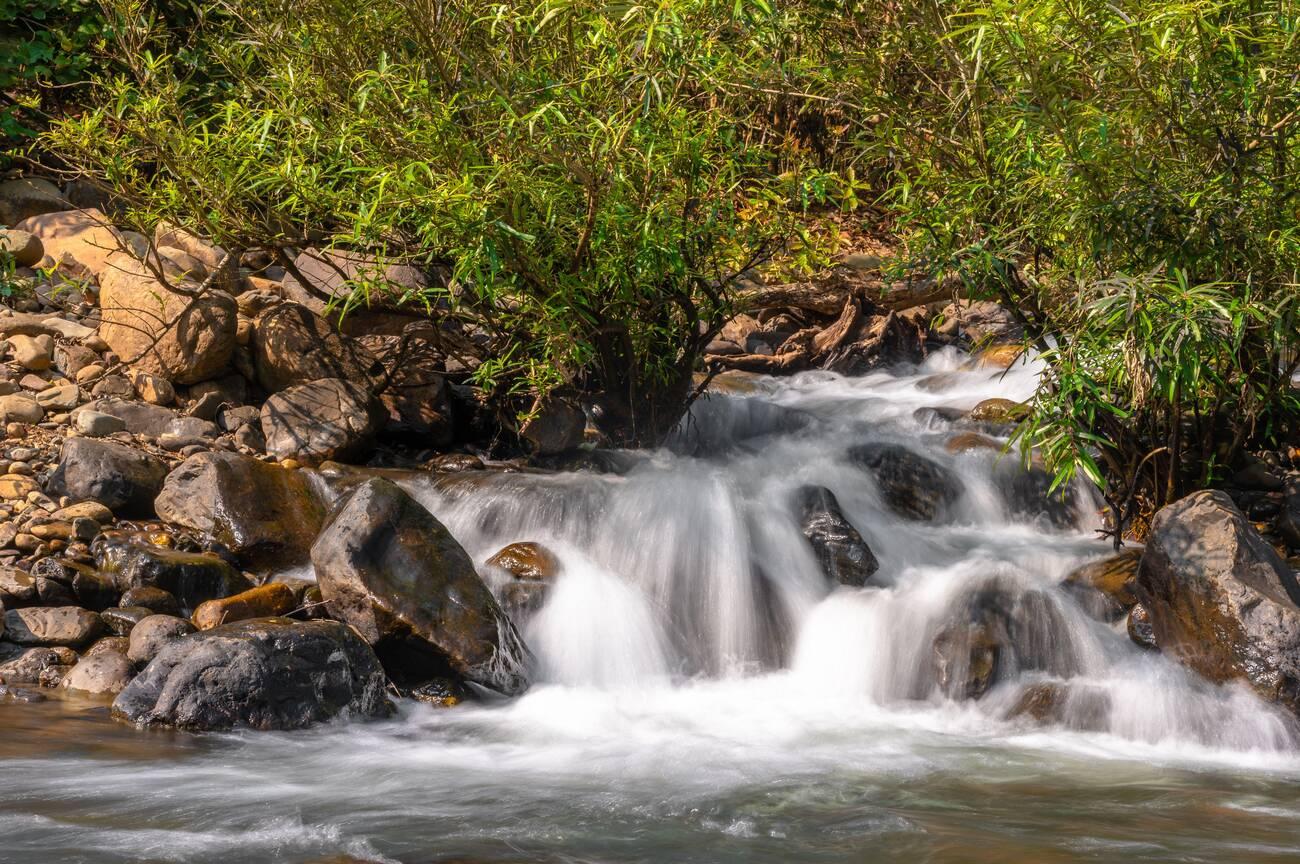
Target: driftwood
<point x="827" y="297"/>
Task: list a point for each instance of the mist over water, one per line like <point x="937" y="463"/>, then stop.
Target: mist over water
<point x="703" y="694"/>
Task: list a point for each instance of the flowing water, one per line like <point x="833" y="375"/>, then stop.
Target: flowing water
<point x="704" y="695"/>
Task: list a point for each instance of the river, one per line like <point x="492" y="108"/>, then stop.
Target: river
<point x="703" y="695"/>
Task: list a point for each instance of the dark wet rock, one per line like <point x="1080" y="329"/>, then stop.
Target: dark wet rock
<point x="1140" y="629"/>
<point x="292" y="345"/>
<point x="150" y="635"/>
<point x="1220" y="599"/>
<point x="1288" y="523"/>
<point x="121" y="620"/>
<point x="20" y="695"/>
<point x="440" y="693"/>
<point x="556" y="426"/>
<point x="103" y="674"/>
<point x="1106" y="588"/>
<point x="17" y="588"/>
<point x="1082" y="708"/>
<point x="389" y="568"/>
<point x="1028" y="494"/>
<point x="261" y="512"/>
<point x="321" y="420"/>
<point x="154" y="599"/>
<point x="910" y="484"/>
<point x="28" y="666"/>
<point x="996" y="632"/>
<point x="840" y="550"/>
<point x="266" y="673"/>
<point x="94" y="590"/>
<point x="48" y="626"/>
<point x="528" y="561"/>
<point x="191" y="577"/>
<point x="264" y="601"/>
<point x="121" y="478"/>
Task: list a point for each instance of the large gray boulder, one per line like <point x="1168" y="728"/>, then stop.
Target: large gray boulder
<point x="321" y="420"/>
<point x="389" y="568"/>
<point x="840" y="550"/>
<point x="266" y="673"/>
<point x="1220" y="599"/>
<point x="261" y="512"/>
<point x="122" y="478"/>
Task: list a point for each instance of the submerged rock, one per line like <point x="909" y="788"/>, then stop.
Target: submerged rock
<point x="266" y="673"/>
<point x="913" y="486"/>
<point x="260" y="512"/>
<point x="389" y="568"/>
<point x="840" y="550"/>
<point x="1220" y="599"/>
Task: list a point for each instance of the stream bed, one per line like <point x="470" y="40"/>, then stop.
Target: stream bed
<point x="702" y="694"/>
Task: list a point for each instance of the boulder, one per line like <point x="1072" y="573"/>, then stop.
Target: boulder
<point x="911" y="485"/>
<point x="86" y="236"/>
<point x="415" y="398"/>
<point x="184" y="331"/>
<point x="191" y="577"/>
<point x="321" y="420"/>
<point x="328" y="276"/>
<point x="267" y="673"/>
<point x="555" y="426"/>
<point x="153" y="633"/>
<point x="52" y="625"/>
<point x="139" y="418"/>
<point x="93" y="424"/>
<point x="102" y="674"/>
<point x="389" y="568"/>
<point x="1220" y="599"/>
<point x="292" y="345"/>
<point x="260" y="512"/>
<point x="1028" y="494"/>
<point x="840" y="550"/>
<point x="25" y="197"/>
<point x="264" y="601"/>
<point x="998" y="411"/>
<point x="121" y="478"/>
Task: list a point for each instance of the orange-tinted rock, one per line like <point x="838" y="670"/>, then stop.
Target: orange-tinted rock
<point x="529" y="561"/>
<point x="264" y="601"/>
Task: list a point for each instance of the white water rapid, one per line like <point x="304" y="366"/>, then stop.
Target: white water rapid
<point x="703" y="694"/>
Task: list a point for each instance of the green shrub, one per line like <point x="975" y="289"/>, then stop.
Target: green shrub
<point x="576" y="165"/>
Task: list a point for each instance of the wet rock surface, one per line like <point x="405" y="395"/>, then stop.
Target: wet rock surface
<point x="912" y="485"/>
<point x="844" y="556"/>
<point x="1220" y="599"/>
<point x="267" y="673"/>
<point x="387" y="567"/>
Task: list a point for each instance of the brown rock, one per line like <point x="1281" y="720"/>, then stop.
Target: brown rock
<point x="49" y="626"/>
<point x="528" y="561"/>
<point x="272" y="599"/>
<point x="25" y="197"/>
<point x="998" y="411"/>
<point x="292" y="345"/>
<point x="322" y="420"/>
<point x="183" y="332"/>
<point x="87" y="236"/>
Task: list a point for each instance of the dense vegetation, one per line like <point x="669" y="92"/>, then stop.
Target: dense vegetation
<point x="596" y="174"/>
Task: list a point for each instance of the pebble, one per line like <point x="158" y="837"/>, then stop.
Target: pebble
<point x="86" y="374"/>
